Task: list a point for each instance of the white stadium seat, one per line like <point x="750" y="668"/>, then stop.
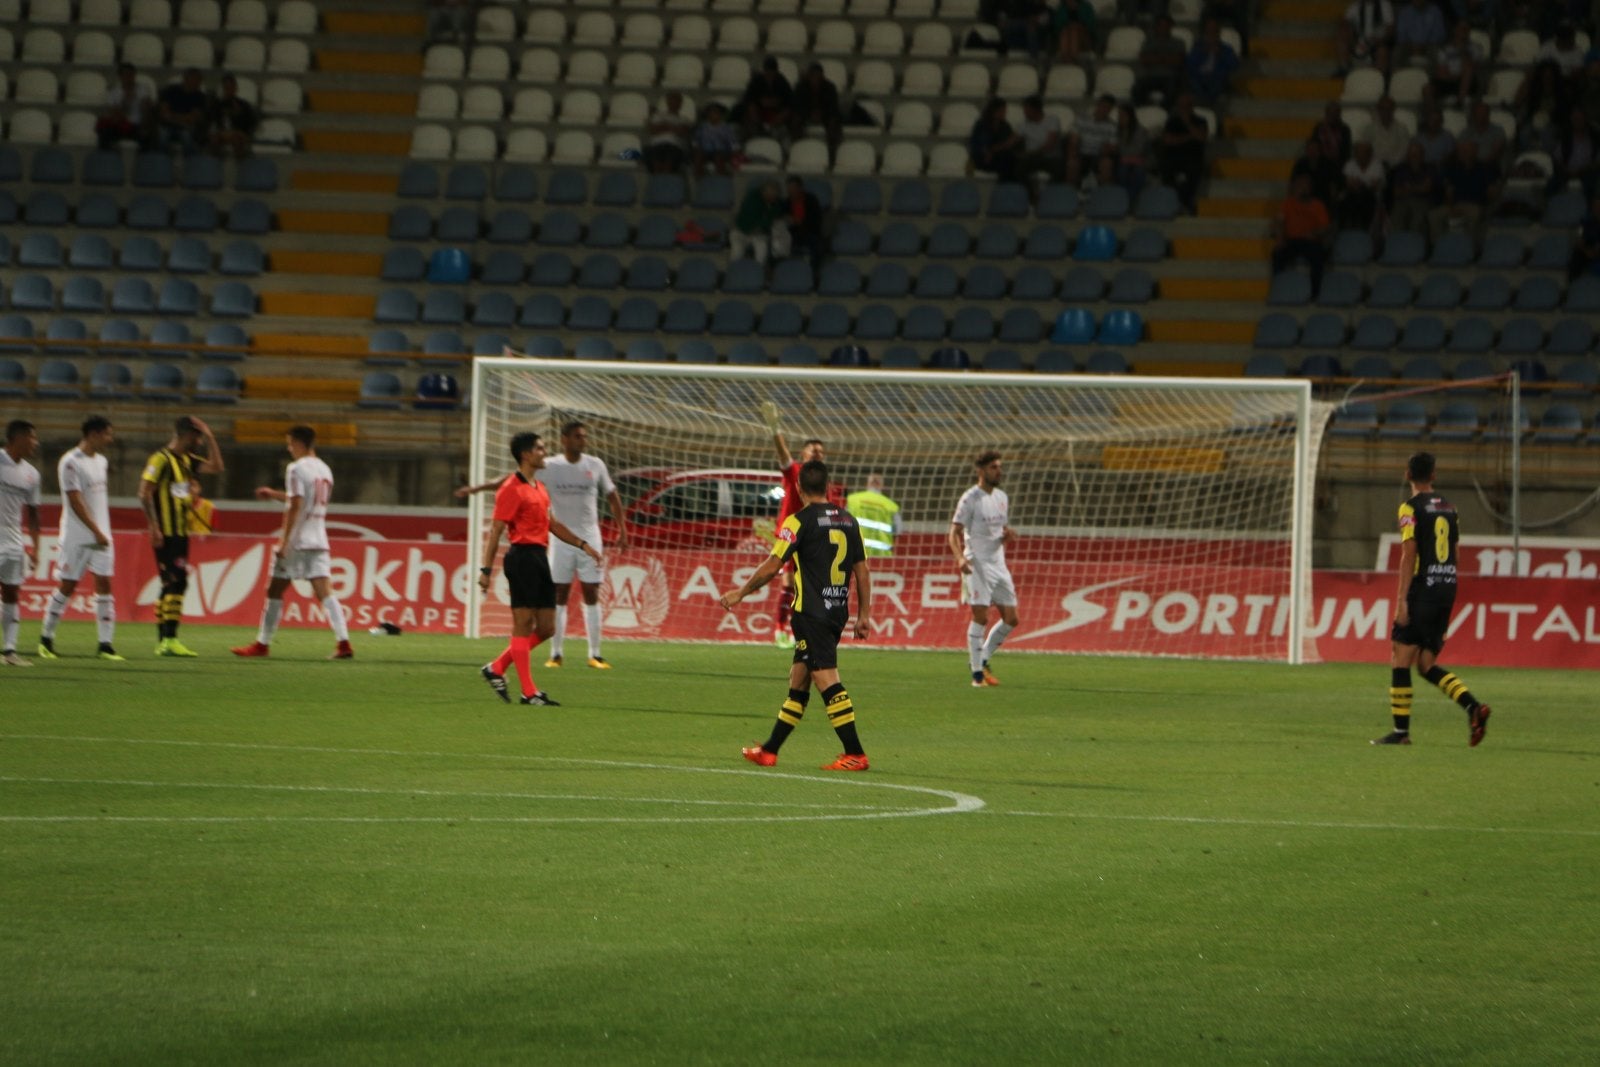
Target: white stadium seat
<point x="430" y="141"/>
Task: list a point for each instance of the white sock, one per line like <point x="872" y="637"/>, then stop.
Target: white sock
<point x="52" y="614"/>
<point x="269" y="621"/>
<point x="335" y="610"/>
<point x="975" y="645"/>
<point x="558" y="638"/>
<point x="997" y="634"/>
<point x="105" y="618"/>
<point x="10" y="622"/>
<point x="591" y="623"/>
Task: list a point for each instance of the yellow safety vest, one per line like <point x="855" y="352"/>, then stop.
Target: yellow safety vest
<point x="875" y="513"/>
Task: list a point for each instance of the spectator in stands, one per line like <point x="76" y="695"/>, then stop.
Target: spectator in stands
<point x="1300" y="232"/>
<point x="667" y="134"/>
<point x="130" y="112"/>
<point x="1490" y="139"/>
<point x="1389" y="138"/>
<point x="715" y="142"/>
<point x="1437" y="142"/>
<point x="1419" y="29"/>
<point x="1023" y="24"/>
<point x="1456" y="65"/>
<point x="1563" y="50"/>
<point x="1094" y="140"/>
<point x="1577" y="154"/>
<point x="1362" y="206"/>
<point x="452" y="20"/>
<point x="1468" y="187"/>
<point x="231" y="122"/>
<point x="1234" y="14"/>
<point x="1133" y="150"/>
<point x="1043" y="148"/>
<point x="1183" y="150"/>
<point x="1076" y="27"/>
<point x="1541" y="104"/>
<point x="1478" y="14"/>
<point x="1160" y="67"/>
<point x="182" y="113"/>
<point x="1586" y="255"/>
<point x="816" y="103"/>
<point x="759" y="227"/>
<point x="993" y="145"/>
<point x="1211" y="64"/>
<point x="764" y="107"/>
<point x="1413" y="192"/>
<point x="805" y="223"/>
<point x="1325" y="176"/>
<point x="1365" y="35"/>
<point x="1333" y="133"/>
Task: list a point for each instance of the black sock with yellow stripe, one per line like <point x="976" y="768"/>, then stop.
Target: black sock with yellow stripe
<point x="788" y="718"/>
<point x="1452" y="687"/>
<point x="842" y="717"/>
<point x="1400" y="699"/>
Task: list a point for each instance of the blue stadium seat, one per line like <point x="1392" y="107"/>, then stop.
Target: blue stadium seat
<point x="201" y="173"/>
<point x="225" y="335"/>
<point x="47" y="208"/>
<point x="695" y="350"/>
<point x="1584" y="295"/>
<point x="1106" y="362"/>
<point x="558" y="229"/>
<point x="388" y="348"/>
<point x="1045" y="242"/>
<point x="971" y="325"/>
<point x="1531" y="371"/>
<point x="552" y="270"/>
<point x="408" y="222"/>
<point x="235" y="300"/>
<point x="1439" y="292"/>
<point x="58" y="380"/>
<point x="1564" y="210"/>
<point x="171" y="332"/>
<point x="1424" y="333"/>
<point x="33" y="292"/>
<point x="149" y="213"/>
<point x="899" y="239"/>
<point x="1561" y="423"/>
<point x="1583" y="373"/>
<point x="696" y="275"/>
<point x="714" y="192"/>
<point x="1096" y="244"/>
<point x="1055" y="361"/>
<point x="849" y="356"/>
<point x="103" y="169"/>
<point x="851" y="238"/>
<point x="685" y="315"/>
<point x="1406" y="419"/>
<point x="495" y="309"/>
<point x="449" y="266"/>
<point x="1357" y="420"/>
<point x="195" y="214"/>
<point x="1422" y="369"/>
<point x="744" y="276"/>
<point x="600" y="271"/>
<point x="616" y="189"/>
<point x="396" y="305"/>
<point x="443" y="343"/>
<point x="924" y="322"/>
<point x="594" y="348"/>
<point x="1471" y="336"/>
<point x="162" y="381"/>
<point x="1107" y="202"/>
<point x="217" y="384"/>
<point x="1020" y="325"/>
<point x="1266" y="365"/>
<point x="242" y="258"/>
<point x="936" y="281"/>
<point x="1320" y="365"/>
<point x="1144" y="245"/>
<point x="607" y="230"/>
<point x="798" y="355"/>
<point x="153" y="170"/>
<point x="665" y="191"/>
<point x="1539" y="292"/>
<point x="8" y="207"/>
<point x="111" y="380"/>
<point x="461" y="225"/>
<point x="543" y="346"/>
<point x="1131" y="285"/>
<point x="1488" y="292"/>
<point x="39" y="251"/>
<point x="1121" y="327"/>
<point x="466" y="181"/>
<point x="1002" y="360"/>
<point x="895" y="357"/>
<point x="1032" y="282"/>
<point x="189" y="255"/>
<point x="1453" y="250"/>
<point x="83" y="293"/>
<point x="648" y="273"/>
<point x="1501" y="251"/>
<point x="1351" y="248"/>
<point x="1404" y="249"/>
<point x="253" y="217"/>
<point x="638" y="314"/>
<point x="589" y="313"/>
<point x="1074" y="326"/>
<point x="645" y="350"/>
<point x="748" y="354"/>
<point x="1551" y="251"/>
<point x="133" y="296"/>
<point x="256" y="175"/>
<point x="380" y="389"/>
<point x="1371" y="366"/>
<point x="13" y="378"/>
<point x="1082" y="285"/>
<point x="1289" y="289"/>
<point x="961" y="199"/>
<point x="948" y="240"/>
<point x="951" y="358"/>
<point x="10" y="164"/>
<point x="1390" y="292"/>
<point x="1520" y="337"/>
<point x="997" y="241"/>
<point x="516" y="184"/>
<point x="1057" y="202"/>
<point x="1323" y="330"/>
<point x="780" y="318"/>
<point x="65" y="334"/>
<point x="566" y="187"/>
<point x="791" y="277"/>
<point x="403" y="263"/>
<point x="503" y="267"/>
<point x="1277" y="330"/>
<point x="911" y="196"/>
<point x="1570" y="337"/>
<point x="828" y="322"/>
<point x="877" y="322"/>
<point x="1375" y="333"/>
<point x="1157" y="203"/>
<point x="657" y="233"/>
<point x="16" y="333"/>
<point x="862" y="196"/>
<point x="888" y="281"/>
<point x="95" y="211"/>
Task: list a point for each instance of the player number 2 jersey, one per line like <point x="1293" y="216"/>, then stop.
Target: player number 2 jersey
<point x="86" y="476"/>
<point x="1429" y="520"/>
<point x="310" y="480"/>
<point x="825" y="543"/>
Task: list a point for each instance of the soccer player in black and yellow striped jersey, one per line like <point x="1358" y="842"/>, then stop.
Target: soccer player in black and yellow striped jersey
<point x="1424" y="597"/>
<point x="824" y="541"/>
<point x="168" y="492"/>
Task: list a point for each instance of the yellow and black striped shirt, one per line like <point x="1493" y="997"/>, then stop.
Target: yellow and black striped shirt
<point x="172" y="474"/>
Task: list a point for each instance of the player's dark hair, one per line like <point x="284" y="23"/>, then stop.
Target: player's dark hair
<point x="814" y="478"/>
<point x="304" y="434"/>
<point x="95" y="424"/>
<point x="184" y="424"/>
<point x="573" y="427"/>
<point x="1419" y="468"/>
<point x="523" y="442"/>
<point x="985" y="458"/>
<point x="813" y="441"/>
<point x="17" y="428"/>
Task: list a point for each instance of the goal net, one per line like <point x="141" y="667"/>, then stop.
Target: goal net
<point x="1151" y="516"/>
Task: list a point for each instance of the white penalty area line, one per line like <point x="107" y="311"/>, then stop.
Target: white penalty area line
<point x="957" y="803"/>
<point x="1290" y="824"/>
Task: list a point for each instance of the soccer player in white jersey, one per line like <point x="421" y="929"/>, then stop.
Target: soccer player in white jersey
<point x="19" y="529"/>
<point x="302" y="550"/>
<point x="978" y="537"/>
<point x="575" y="480"/>
<point x="85" y="538"/>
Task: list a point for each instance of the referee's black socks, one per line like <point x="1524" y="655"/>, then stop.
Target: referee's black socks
<point x="842" y="717"/>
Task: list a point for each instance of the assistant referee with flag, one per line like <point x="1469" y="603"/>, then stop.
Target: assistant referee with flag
<point x="169" y="493"/>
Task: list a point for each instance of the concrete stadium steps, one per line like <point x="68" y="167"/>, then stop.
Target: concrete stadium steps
<point x="365" y="223"/>
<point x="1212" y="207"/>
<point x="375" y="23"/>
<point x="1316" y="90"/>
<point x="310" y="344"/>
<point x="1295" y="47"/>
<point x="1216" y="290"/>
<point x="1249" y="169"/>
<point x="1230" y="249"/>
<point x="1189" y="332"/>
<point x="1274" y="12"/>
<point x="350" y="61"/>
<point x="345" y="181"/>
<point x="361" y="102"/>
<point x="353" y="264"/>
<point x="321" y="305"/>
<point x="364" y="142"/>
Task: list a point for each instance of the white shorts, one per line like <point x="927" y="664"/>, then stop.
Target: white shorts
<point x="302" y="564"/>
<point x="991" y="584"/>
<point x="567" y="561"/>
<point x="100" y="560"/>
<point x="13" y="566"/>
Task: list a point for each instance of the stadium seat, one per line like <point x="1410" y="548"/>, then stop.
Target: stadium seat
<point x="542" y="311"/>
<point x="1020" y="326"/>
<point x="1404" y="418"/>
<point x="1106" y="362"/>
<point x="58" y="380"/>
<point x="380" y="390"/>
<point x="685" y="316"/>
<point x="494" y="309"/>
<point x="1289" y="289"/>
<point x="1520" y="337"/>
<point x="1488" y="292"/>
<point x="1340" y="289"/>
<point x="649" y="273"/>
<point x="1404" y="249"/>
<point x="1570" y="337"/>
<point x="217" y="384"/>
<point x="1561" y="423"/>
<point x="1424" y="333"/>
<point x="13" y="378"/>
<point x="1439" y="292"/>
<point x="396" y="305"/>
<point x="1082" y="285"/>
<point x="252" y="217"/>
<point x="1096" y="244"/>
<point x="1277" y="330"/>
<point x="637" y="315"/>
<point x="16" y="333"/>
<point x="780" y="318"/>
<point x="1539" y="292"/>
<point x="1356" y="420"/>
<point x="1131" y="286"/>
<point x="1470" y="336"/>
<point x="1320" y="365"/>
<point x="1375" y="333"/>
<point x="65" y="335"/>
<point x="696" y="275"/>
<point x="1266" y="365"/>
<point x="748" y="354"/>
<point x="544" y="346"/>
<point x="1045" y="242"/>
<point x="1323" y="330"/>
<point x="1352" y="248"/>
<point x="84" y="294"/>
<point x="935" y="281"/>
<point x="600" y="271"/>
<point x="1032" y="282"/>
<point x="589" y="313"/>
<point x="1584" y="295"/>
<point x="695" y="350"/>
<point x="828" y="321"/>
<point x="1390" y="291"/>
<point x="39" y="251"/>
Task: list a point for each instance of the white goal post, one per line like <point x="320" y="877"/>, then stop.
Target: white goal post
<point x="1152" y="516"/>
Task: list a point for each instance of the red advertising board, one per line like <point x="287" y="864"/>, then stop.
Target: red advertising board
<point x="1139" y="606"/>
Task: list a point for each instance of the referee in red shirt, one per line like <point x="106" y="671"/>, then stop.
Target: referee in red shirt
<point x="522" y="513"/>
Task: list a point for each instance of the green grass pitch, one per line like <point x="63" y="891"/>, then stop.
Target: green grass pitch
<point x="1101" y="861"/>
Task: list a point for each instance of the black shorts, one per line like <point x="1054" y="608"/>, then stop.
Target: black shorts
<point x="528" y="575"/>
<point x="816" y="642"/>
<point x="1430" y="621"/>
<point x="172" y="558"/>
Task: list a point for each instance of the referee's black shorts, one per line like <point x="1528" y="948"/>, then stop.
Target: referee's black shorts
<point x="816" y="642"/>
<point x="528" y="575"/>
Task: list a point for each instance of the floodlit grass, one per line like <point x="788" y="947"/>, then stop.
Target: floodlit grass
<point x="216" y="861"/>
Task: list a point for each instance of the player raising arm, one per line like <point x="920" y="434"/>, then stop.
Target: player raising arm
<point x="978" y="537"/>
<point x="812" y="450"/>
<point x="824" y="542"/>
